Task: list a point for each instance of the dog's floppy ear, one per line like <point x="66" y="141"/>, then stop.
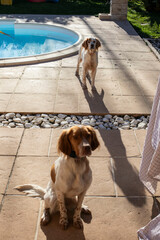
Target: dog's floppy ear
<point x="98" y="44"/>
<point x="94" y="139"/>
<point x="64" y="144"/>
<point x="85" y="44"/>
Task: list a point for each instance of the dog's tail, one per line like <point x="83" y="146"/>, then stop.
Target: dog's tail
<point x="32" y="190"/>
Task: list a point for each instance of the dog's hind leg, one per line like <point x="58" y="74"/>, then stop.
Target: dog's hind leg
<point x="78" y="63"/>
<point x="84" y="86"/>
<point x="93" y="75"/>
<point x="77" y="70"/>
<point x="50" y="206"/>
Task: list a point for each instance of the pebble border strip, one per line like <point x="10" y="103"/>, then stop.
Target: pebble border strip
<point x="109" y="122"/>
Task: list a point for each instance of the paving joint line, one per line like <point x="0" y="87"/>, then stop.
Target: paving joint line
<point x="2" y="201"/>
<point x="50" y="141"/>
<point x="88" y="196"/>
<point x="56" y="156"/>
<point x="38" y="221"/>
<point x="113" y="176"/>
<point x="57" y="81"/>
<point x="114" y="196"/>
<point x="137" y="142"/>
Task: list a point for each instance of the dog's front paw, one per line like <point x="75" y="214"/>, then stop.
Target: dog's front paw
<point x="88" y="76"/>
<point x="63" y="223"/>
<point x="77" y="74"/>
<point x="84" y="87"/>
<point x="77" y="223"/>
<point x="93" y="88"/>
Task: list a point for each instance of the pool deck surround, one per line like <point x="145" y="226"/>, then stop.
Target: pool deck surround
<point x="125" y="82"/>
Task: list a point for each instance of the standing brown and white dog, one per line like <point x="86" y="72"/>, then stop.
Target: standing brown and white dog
<point x="71" y="176"/>
<point x="88" y="55"/>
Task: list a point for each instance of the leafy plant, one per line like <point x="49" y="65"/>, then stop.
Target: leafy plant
<point x="146" y="23"/>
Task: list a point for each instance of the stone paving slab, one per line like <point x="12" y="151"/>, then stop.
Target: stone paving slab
<point x="9" y="141"/>
<point x="18" y="218"/>
<point x="126" y="79"/>
<point x="30" y="170"/>
<point x="35" y="142"/>
<point x="116" y="192"/>
<point x="6" y="163"/>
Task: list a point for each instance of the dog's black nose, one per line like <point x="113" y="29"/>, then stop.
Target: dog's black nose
<point x="92" y="45"/>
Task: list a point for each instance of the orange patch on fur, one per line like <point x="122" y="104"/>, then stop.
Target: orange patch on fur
<point x="53" y="173"/>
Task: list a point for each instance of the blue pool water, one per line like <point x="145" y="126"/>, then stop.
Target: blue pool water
<point x="33" y="39"/>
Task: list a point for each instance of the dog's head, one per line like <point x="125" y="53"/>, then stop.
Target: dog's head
<point x="81" y="140"/>
<point x="91" y="44"/>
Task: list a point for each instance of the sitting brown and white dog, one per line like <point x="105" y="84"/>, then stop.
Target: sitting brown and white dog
<point x="88" y="55"/>
<point x="71" y="176"/>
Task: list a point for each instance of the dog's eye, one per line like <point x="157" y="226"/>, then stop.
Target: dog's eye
<point x="88" y="136"/>
<point x="75" y="137"/>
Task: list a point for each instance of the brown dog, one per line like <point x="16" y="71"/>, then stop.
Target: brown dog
<point x="71" y="176"/>
<point x="88" y="55"/>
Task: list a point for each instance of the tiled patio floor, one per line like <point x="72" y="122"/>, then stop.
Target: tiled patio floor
<point x="125" y="82"/>
<point x="120" y="205"/>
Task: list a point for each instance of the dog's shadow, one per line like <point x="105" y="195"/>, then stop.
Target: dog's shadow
<point x="53" y="230"/>
<point x="80" y="81"/>
<point x="94" y="99"/>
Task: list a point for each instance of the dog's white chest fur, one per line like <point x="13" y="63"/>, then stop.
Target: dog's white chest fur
<point x="72" y="177"/>
<point x="89" y="60"/>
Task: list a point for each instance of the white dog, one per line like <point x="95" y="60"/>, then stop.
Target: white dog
<point x="88" y="55"/>
<point x="71" y="176"/>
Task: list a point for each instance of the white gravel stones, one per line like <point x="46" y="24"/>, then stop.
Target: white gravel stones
<point x="126" y="117"/>
<point x="119" y="120"/>
<point x="28" y="125"/>
<point x="64" y="123"/>
<point x="108" y="122"/>
<point x="55" y="125"/>
<point x="62" y="116"/>
<point x="39" y="120"/>
<point x="142" y="125"/>
<point x="85" y="121"/>
<point x="105" y="120"/>
<point x="58" y="120"/>
<point x="10" y="115"/>
<point x="17" y="120"/>
<point x="11" y="124"/>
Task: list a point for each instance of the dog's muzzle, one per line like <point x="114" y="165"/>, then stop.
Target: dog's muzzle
<point x="92" y="46"/>
<point x="87" y="150"/>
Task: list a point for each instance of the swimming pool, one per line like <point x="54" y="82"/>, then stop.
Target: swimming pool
<point x="24" y="41"/>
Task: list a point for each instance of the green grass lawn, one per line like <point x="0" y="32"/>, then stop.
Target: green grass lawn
<point x="64" y="7"/>
<point x="146" y="23"/>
